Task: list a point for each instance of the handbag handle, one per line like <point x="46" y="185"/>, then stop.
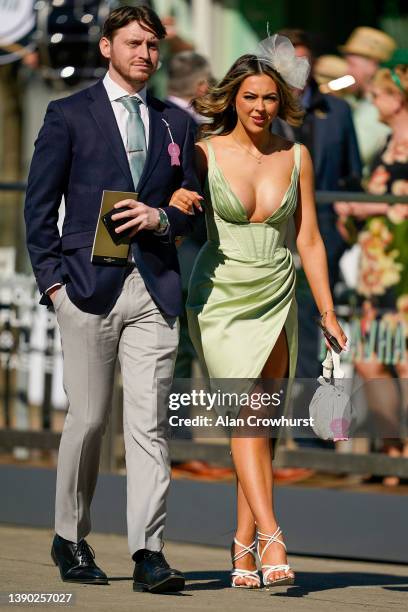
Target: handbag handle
<point x="331" y="365"/>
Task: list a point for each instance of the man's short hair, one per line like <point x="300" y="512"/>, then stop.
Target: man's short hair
<point x="122" y="16"/>
<point x="184" y="69"/>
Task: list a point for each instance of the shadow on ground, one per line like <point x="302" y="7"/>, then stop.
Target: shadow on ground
<point x="306" y="582"/>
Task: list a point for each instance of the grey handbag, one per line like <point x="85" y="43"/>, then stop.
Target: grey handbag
<point x="330" y="410"/>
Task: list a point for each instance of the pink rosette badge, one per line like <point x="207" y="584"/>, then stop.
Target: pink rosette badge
<point x="174" y="152"/>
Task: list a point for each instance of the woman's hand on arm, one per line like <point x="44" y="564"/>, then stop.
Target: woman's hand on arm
<point x="311" y="248"/>
<point x="184" y="199"/>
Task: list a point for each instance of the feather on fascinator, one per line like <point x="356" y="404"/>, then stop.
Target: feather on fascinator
<point x="279" y="53"/>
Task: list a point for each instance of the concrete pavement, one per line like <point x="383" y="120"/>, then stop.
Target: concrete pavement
<point x="321" y="584"/>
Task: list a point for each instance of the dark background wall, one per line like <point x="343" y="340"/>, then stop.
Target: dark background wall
<point x="330" y="21"/>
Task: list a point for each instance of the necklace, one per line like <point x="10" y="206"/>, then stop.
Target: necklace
<point x="258" y="159"/>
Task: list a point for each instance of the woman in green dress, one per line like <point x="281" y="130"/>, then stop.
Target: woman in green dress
<point x="241" y="304"/>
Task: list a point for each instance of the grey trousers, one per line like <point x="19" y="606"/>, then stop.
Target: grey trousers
<point x="145" y="341"/>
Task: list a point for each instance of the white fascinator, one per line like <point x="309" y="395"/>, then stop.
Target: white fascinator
<point x="279" y="53"/>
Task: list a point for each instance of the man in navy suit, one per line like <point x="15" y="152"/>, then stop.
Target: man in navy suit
<point x="114" y="136"/>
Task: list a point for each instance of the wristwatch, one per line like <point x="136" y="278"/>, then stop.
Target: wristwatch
<point x="163" y="221"/>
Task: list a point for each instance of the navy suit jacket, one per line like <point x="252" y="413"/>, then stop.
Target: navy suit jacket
<point x="78" y="153"/>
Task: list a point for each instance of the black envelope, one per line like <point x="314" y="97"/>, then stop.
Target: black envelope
<point x="112" y="225"/>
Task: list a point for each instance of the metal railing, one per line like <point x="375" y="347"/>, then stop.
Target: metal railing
<point x="184" y="450"/>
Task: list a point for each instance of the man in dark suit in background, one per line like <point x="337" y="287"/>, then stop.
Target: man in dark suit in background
<point x="189" y="75"/>
<point x="328" y="132"/>
<point x="113" y="136"/>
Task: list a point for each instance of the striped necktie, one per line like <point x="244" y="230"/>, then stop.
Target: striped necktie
<point x="136" y="138"/>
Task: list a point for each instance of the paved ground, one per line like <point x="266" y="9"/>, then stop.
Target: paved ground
<point x="321" y="584"/>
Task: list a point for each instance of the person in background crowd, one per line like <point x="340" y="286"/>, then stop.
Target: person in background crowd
<point x="383" y="276"/>
<point x="175" y="42"/>
<point x="329" y="68"/>
<point x="328" y="132"/>
<point x="189" y="75"/>
<point x="363" y="51"/>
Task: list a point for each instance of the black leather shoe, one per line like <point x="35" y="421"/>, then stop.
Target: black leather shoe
<point x="153" y="574"/>
<point x="76" y="562"/>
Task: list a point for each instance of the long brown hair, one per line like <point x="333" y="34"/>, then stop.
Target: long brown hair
<point x="218" y="104"/>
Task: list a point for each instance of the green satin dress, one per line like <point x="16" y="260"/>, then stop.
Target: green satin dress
<point x="242" y="288"/>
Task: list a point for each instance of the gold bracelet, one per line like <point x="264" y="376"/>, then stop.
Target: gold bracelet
<point x="326" y="311"/>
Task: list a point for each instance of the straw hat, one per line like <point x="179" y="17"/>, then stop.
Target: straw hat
<point x="371" y="43"/>
<point x="329" y="67"/>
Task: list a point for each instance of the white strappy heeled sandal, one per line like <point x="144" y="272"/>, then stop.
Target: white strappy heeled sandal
<point x="243" y="573"/>
<point x="268" y="569"/>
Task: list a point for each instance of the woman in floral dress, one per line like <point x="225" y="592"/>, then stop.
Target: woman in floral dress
<point x="382" y="285"/>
